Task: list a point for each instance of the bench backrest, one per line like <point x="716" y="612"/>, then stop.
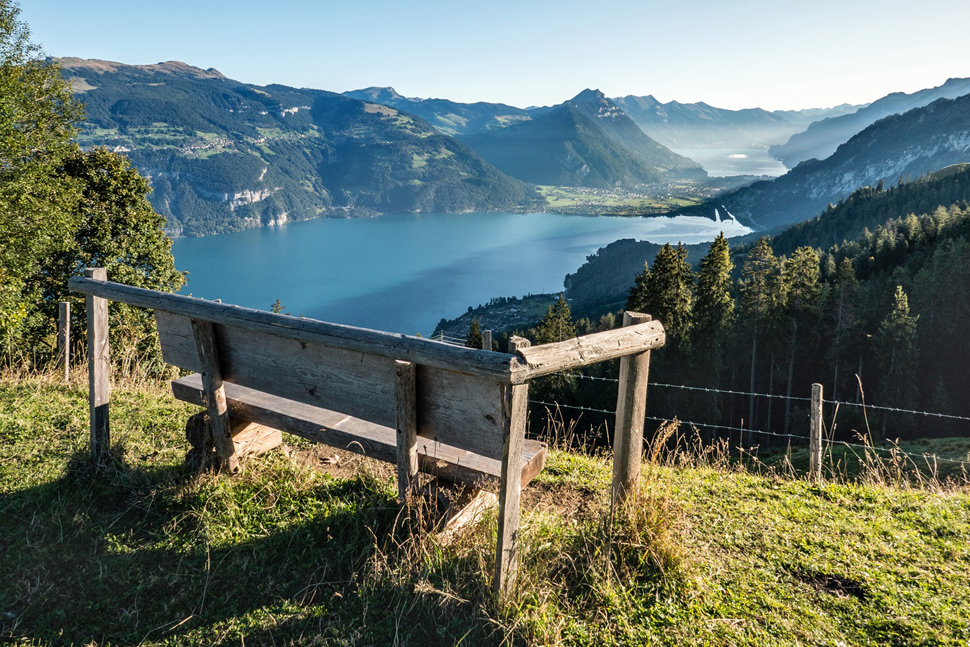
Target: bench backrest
<point x="454" y="408"/>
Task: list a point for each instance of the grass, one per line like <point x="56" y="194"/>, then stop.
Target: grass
<point x="706" y="553"/>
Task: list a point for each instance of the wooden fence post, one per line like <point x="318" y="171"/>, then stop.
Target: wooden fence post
<point x="64" y="337"/>
<point x="631" y="407"/>
<point x="815" y="437"/>
<point x="405" y="387"/>
<point x="99" y="386"/>
<point x="486" y="340"/>
<point x="514" y="409"/>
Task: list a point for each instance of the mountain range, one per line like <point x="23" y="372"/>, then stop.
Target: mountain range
<point x="909" y="145"/>
<point x="586" y="141"/>
<point x="824" y="136"/>
<point x="224" y="155"/>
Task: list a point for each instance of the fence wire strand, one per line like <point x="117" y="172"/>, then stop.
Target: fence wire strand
<point x="888" y="450"/>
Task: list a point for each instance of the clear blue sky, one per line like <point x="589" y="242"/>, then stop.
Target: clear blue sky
<point x="729" y="53"/>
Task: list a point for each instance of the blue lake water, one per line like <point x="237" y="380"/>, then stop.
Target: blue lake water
<point x="403" y="273"/>
<point x="721" y="162"/>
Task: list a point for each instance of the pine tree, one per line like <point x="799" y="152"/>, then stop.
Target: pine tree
<point x="557" y="324"/>
<point x="474" y="338"/>
<point x="714" y="305"/>
<point x="898" y="354"/>
<point x="800" y="275"/>
<point x="665" y="291"/>
<point x="759" y="295"/>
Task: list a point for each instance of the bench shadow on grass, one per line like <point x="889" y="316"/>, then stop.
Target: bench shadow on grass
<point x="124" y="554"/>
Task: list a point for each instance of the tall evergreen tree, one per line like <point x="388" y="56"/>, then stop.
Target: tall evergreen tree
<point x="557" y="324"/>
<point x="665" y="291"/>
<point x="759" y="294"/>
<point x="800" y="275"/>
<point x="898" y="354"/>
<point x="474" y="338"/>
<point x="714" y="304"/>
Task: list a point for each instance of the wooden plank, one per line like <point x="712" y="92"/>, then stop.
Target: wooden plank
<point x="631" y="407"/>
<point x="99" y="365"/>
<point x="64" y="337"/>
<point x="467" y="509"/>
<point x="590" y="349"/>
<point x="407" y="428"/>
<point x="215" y="395"/>
<point x="453" y="408"/>
<point x="515" y="406"/>
<point x="486" y="340"/>
<point x="362" y="437"/>
<point x="495" y="366"/>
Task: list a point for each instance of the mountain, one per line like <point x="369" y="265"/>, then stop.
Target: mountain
<point x="685" y="126"/>
<point x="586" y="141"/>
<point x="448" y="117"/>
<point x="822" y="138"/>
<point x="920" y="141"/>
<point x="224" y="155"/>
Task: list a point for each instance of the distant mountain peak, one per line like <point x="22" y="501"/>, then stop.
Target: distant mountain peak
<point x="164" y="67"/>
<point x="589" y="96"/>
<point x="378" y="94"/>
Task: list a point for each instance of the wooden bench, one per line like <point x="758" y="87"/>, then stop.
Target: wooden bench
<point x="456" y="413"/>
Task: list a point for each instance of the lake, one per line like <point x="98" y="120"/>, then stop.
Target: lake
<point x="722" y="162"/>
<point x="403" y="273"/>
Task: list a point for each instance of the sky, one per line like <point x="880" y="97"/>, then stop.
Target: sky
<point x="784" y="54"/>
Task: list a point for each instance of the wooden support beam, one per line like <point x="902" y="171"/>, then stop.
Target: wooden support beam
<point x="590" y="349"/>
<point x="486" y="340"/>
<point x="815" y="435"/>
<point x="99" y="365"/>
<point x="515" y="407"/>
<point x="64" y="337"/>
<point x="215" y="395"/>
<point x="631" y="407"/>
<point x="405" y="388"/>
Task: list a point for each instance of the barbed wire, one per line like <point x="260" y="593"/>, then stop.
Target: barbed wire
<point x="889" y="450"/>
<point x="896" y="410"/>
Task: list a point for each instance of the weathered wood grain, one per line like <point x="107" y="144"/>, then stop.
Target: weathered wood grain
<point x="631" y="407"/>
<point x="362" y="437"/>
<point x="815" y="435"/>
<point x="64" y="337"/>
<point x="514" y="407"/>
<point x="452" y="407"/>
<point x="215" y="395"/>
<point x="495" y="366"/>
<point x="590" y="349"/>
<point x="407" y="428"/>
<point x="99" y="365"/>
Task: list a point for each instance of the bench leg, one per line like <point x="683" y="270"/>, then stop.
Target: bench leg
<point x="515" y="403"/>
<point x="215" y="394"/>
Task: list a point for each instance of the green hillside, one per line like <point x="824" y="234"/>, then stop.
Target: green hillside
<point x="224" y="155"/>
<point x="302" y="548"/>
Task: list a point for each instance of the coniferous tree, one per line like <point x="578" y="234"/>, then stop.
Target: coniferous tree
<point x="898" y="354"/>
<point x="800" y="275"/>
<point x="474" y="338"/>
<point x="759" y="295"/>
<point x="665" y="291"/>
<point x="557" y="324"/>
<point x="714" y="305"/>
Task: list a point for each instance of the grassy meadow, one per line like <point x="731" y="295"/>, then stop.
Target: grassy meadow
<point x="309" y="547"/>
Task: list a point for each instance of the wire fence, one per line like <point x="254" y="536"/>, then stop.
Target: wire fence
<point x="761" y="432"/>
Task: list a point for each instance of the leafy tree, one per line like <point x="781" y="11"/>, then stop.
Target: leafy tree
<point x="665" y="290"/>
<point x="37" y="117"/>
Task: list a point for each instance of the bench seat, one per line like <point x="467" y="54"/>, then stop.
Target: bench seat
<point x="359" y="436"/>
